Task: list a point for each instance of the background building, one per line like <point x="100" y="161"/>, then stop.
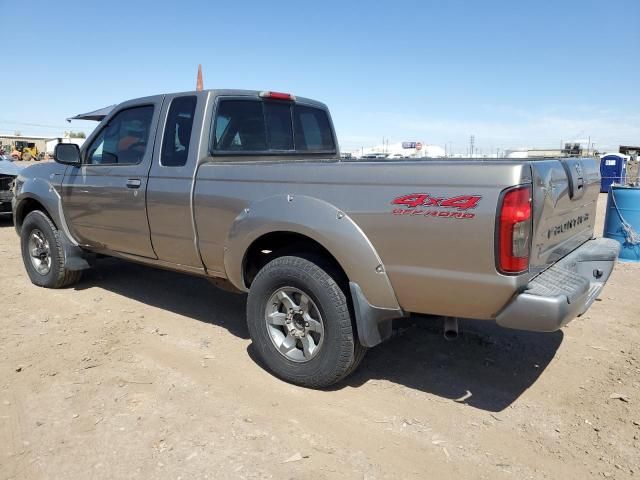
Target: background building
<point x="43" y="145"/>
<point x="403" y="149"/>
<point x="7" y="142"/>
<point x="51" y="143"/>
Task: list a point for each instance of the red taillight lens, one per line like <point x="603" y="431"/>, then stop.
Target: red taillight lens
<point x="514" y="230"/>
<point x="277" y="96"/>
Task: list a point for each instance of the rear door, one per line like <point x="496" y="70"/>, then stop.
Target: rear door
<point x="104" y="199"/>
<point x="565" y="194"/>
<point x="171" y="179"/>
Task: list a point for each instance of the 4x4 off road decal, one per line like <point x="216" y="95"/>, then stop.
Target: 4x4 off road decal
<point x="427" y="205"/>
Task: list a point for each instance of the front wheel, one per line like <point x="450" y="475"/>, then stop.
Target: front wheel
<point x="42" y="253"/>
<point x="300" y="323"/>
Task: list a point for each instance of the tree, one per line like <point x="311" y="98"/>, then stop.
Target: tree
<point x="77" y="135"/>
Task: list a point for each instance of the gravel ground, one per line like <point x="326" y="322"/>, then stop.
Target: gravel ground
<point x="142" y="373"/>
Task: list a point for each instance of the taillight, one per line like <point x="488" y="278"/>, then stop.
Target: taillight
<point x="514" y="230"/>
<point x="277" y="96"/>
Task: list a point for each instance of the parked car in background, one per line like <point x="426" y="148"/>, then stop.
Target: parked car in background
<point x="8" y="172"/>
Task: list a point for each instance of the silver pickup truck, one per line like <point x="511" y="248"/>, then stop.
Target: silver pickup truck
<point x="247" y="188"/>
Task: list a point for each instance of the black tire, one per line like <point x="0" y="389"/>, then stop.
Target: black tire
<point x="340" y="352"/>
<point x="57" y="276"/>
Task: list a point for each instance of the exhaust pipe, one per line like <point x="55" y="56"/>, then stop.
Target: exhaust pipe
<point x="450" y="328"/>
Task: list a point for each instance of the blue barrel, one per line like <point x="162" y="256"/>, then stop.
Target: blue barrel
<point x="623" y="213"/>
<point x="613" y="169"/>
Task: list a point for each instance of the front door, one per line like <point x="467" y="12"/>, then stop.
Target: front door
<point x="104" y="199"/>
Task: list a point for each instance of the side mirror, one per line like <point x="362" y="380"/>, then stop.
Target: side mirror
<point x="67" y="154"/>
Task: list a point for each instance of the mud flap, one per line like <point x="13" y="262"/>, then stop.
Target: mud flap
<point x="74" y="257"/>
<point x="373" y="323"/>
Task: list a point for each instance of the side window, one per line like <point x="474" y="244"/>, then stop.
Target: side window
<point x="177" y="132"/>
<point x="240" y="126"/>
<point x="123" y="140"/>
<point x="312" y="129"/>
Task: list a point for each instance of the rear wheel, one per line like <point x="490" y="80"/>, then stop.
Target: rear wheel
<point x="42" y="253"/>
<point x="300" y="323"/>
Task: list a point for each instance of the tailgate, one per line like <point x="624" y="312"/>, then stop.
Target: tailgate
<point x="565" y="194"/>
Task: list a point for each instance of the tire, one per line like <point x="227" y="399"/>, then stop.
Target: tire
<point x="47" y="270"/>
<point x="337" y="351"/>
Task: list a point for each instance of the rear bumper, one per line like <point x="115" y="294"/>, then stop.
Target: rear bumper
<point x="563" y="291"/>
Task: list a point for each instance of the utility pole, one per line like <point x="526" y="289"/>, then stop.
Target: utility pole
<point x="472" y="140"/>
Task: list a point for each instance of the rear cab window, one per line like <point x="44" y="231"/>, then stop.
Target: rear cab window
<point x="250" y="126"/>
<point x="313" y="131"/>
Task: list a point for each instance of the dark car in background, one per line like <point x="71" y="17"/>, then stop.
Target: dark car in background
<point x="8" y="172"/>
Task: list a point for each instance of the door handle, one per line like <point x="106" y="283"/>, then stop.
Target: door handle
<point x="134" y="183"/>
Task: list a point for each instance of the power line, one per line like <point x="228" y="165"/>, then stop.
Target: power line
<point x="24" y="124"/>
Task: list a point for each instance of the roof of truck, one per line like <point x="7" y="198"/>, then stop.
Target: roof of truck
<point x="231" y="92"/>
<point x="99" y="114"/>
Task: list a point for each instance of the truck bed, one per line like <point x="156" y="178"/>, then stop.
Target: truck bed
<point x="433" y="256"/>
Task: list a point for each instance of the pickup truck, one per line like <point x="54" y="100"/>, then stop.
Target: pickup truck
<point x="248" y="189"/>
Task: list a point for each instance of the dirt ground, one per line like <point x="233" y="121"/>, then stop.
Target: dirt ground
<point x="141" y="373"/>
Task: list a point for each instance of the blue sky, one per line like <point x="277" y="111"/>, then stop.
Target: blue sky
<point x="511" y="73"/>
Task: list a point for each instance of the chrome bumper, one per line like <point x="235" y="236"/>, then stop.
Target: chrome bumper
<point x="563" y="291"/>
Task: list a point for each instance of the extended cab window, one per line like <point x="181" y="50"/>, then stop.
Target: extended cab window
<point x="254" y="126"/>
<point x="123" y="140"/>
<point x="177" y="132"/>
